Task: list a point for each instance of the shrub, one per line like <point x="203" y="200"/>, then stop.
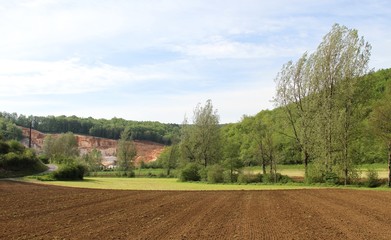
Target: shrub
<point x="215" y="174"/>
<point x="70" y="172"/>
<point x="276" y="178"/>
<point x="372" y="179"/>
<point x="16" y="146"/>
<point x="44" y="159"/>
<point x="249" y="178"/>
<point x="331" y="177"/>
<point x="230" y="178"/>
<point x="4" y="148"/>
<point x="190" y="173"/>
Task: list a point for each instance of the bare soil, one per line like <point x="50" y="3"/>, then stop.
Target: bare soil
<point x="33" y="211"/>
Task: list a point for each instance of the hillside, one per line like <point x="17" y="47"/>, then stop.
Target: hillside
<point x="147" y="151"/>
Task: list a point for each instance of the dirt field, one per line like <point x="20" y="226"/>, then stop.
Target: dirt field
<point x="30" y="211"/>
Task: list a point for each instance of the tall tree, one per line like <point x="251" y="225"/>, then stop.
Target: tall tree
<point x="201" y="140"/>
<point x="341" y="58"/>
<point x="319" y="93"/>
<point x="294" y="94"/>
<point x="126" y="152"/>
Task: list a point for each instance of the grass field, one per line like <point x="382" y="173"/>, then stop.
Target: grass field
<point x="173" y="184"/>
<point x="298" y="170"/>
<point x="162" y="184"/>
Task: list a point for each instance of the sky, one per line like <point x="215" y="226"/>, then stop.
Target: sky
<point x="155" y="60"/>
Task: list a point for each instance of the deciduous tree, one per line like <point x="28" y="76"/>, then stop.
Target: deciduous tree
<point x="126" y="152"/>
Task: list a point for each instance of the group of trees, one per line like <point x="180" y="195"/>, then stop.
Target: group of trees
<point x="63" y="149"/>
<point x="328" y="116"/>
<point x="9" y="131"/>
<point x="150" y="131"/>
<point x="322" y="99"/>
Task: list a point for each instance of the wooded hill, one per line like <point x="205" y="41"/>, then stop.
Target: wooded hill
<point x="368" y="148"/>
<point x="149" y="131"/>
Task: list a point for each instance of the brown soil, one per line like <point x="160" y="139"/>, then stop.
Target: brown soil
<point x="31" y="211"/>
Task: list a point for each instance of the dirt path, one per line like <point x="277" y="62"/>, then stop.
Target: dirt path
<point x="30" y="211"/>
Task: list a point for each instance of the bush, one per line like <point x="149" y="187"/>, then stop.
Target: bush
<point x="16" y="146"/>
<point x="215" y="174"/>
<point x="44" y="159"/>
<point x="19" y="162"/>
<point x="276" y="178"/>
<point x="372" y="179"/>
<point x="315" y="175"/>
<point x="331" y="177"/>
<point x="4" y="148"/>
<point x="129" y="173"/>
<point x="70" y="172"/>
<point x="228" y="178"/>
<point x="249" y="178"/>
<point x="190" y="173"/>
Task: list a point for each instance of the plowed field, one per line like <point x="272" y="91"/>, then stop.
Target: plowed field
<point x="31" y="211"/>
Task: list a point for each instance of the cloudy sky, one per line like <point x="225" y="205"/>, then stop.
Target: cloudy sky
<point x="154" y="60"/>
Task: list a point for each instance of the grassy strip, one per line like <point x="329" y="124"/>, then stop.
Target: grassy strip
<point x="172" y="184"/>
<point x="165" y="184"/>
<point x="297" y="170"/>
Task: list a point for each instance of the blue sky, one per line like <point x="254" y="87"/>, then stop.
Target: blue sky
<point x="156" y="60"/>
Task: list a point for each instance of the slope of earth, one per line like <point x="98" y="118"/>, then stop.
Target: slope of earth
<point x="146" y="151"/>
<point x="32" y="211"/>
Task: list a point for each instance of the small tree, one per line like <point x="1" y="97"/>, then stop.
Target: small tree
<point x="231" y="150"/>
<point x="126" y="152"/>
<point x="61" y="147"/>
<point x="93" y="160"/>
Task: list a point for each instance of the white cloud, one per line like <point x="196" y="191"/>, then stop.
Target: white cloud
<point x="63" y="77"/>
<point x="220" y="48"/>
<point x="228" y="51"/>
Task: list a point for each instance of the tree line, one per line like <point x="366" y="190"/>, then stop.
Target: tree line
<point x="147" y="130"/>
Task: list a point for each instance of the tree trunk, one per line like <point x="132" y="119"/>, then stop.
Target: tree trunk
<point x="263" y="167"/>
<point x="306" y="157"/>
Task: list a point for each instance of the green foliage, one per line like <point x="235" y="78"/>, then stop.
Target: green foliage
<point x="8" y="130"/>
<point x="201" y="140"/>
<point x="16" y="147"/>
<point x="62" y="147"/>
<point x="190" y="173"/>
<point x="4" y="147"/>
<point x="276" y="178"/>
<point x="372" y="178"/>
<point x="93" y="160"/>
<point x="70" y="172"/>
<point x="249" y="178"/>
<point x="146" y="130"/>
<point x="43" y="158"/>
<point x="126" y="152"/>
<point x="16" y="160"/>
<point x="168" y="159"/>
<point x="215" y="174"/>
